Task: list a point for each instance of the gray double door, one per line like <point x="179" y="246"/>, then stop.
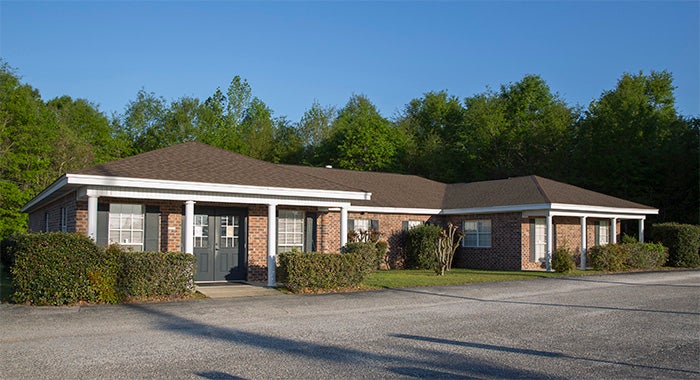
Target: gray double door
<point x="219" y="243"/>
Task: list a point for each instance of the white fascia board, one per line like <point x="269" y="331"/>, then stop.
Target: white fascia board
<point x="57" y="185"/>
<point x="395" y="210"/>
<point x="603" y="209"/>
<point x="579" y="214"/>
<point x="140" y="183"/>
<point x="495" y="209"/>
<point x="183" y="196"/>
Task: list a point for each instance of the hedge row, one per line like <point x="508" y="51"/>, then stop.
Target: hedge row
<point x="421" y="244"/>
<point x="310" y="271"/>
<point x="59" y="268"/>
<point x="683" y="242"/>
<point x="620" y="257"/>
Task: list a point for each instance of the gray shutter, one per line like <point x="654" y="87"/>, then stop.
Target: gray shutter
<point x="374" y="224"/>
<point x="597" y="232"/>
<point x="151" y="229"/>
<point x="404" y="225"/>
<point x="102" y="224"/>
<point x="533" y="232"/>
<point x="310" y="233"/>
<point x="351" y="224"/>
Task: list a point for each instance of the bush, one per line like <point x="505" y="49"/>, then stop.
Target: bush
<point x="315" y="271"/>
<point x="56" y="269"/>
<point x="682" y="241"/>
<point x="563" y="260"/>
<point x="153" y="274"/>
<point x="59" y="268"/>
<point x="620" y="257"/>
<point x="421" y="244"/>
<point x="372" y="253"/>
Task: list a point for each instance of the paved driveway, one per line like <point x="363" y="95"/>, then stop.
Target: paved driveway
<point x="616" y="326"/>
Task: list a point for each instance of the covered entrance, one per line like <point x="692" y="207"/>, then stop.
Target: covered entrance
<point x="220" y="243"/>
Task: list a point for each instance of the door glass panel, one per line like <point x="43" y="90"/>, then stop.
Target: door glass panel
<point x="201" y="231"/>
<point x="229" y="231"/>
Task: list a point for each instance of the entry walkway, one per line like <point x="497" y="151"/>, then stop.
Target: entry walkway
<point x="235" y="290"/>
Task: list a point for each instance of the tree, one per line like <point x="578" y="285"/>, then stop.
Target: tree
<point x="631" y="143"/>
<point x="257" y="131"/>
<point x="520" y="130"/>
<point x="361" y="138"/>
<point x="314" y="127"/>
<point x="432" y="124"/>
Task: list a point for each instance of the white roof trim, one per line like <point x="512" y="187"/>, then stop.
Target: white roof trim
<point x="395" y="210"/>
<point x="58" y="184"/>
<point x="182" y="196"/>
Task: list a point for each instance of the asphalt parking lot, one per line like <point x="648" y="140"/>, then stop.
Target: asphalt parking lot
<point x="639" y="325"/>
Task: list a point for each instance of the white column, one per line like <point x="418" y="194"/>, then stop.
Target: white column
<point x="548" y="249"/>
<point x="613" y="231"/>
<point x="92" y="217"/>
<point x="343" y="226"/>
<point x="189" y="227"/>
<point x="271" y="244"/>
<point x="641" y="230"/>
<point x="584" y="245"/>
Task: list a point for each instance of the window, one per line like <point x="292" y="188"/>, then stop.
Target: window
<point x="477" y="233"/>
<point x="201" y="231"/>
<point x="602" y="233"/>
<point x="409" y="224"/>
<point x="363" y="230"/>
<point x="290" y="230"/>
<point x="64" y="219"/>
<point x="126" y="225"/>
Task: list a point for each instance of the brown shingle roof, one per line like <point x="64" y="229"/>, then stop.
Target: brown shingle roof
<point x="525" y="191"/>
<point x="196" y="162"/>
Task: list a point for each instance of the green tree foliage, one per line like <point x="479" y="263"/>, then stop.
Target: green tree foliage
<point x="631" y="143"/>
<point x="41" y="141"/>
<point x="520" y="130"/>
<point x="315" y="127"/>
<point x="432" y="124"/>
<point x="361" y="138"/>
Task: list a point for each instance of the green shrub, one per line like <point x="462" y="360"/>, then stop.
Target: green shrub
<point x="59" y="268"/>
<point x="154" y="274"/>
<point x="563" y="260"/>
<point x="682" y="241"/>
<point x="56" y="269"/>
<point x="620" y="257"/>
<point x="372" y="253"/>
<point x="315" y="271"/>
<point x="421" y="244"/>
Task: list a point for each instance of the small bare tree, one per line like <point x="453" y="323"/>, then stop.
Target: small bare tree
<point x="446" y="247"/>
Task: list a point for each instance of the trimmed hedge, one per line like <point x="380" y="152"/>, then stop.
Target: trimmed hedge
<point x="311" y="271"/>
<point x="683" y="242"/>
<point x="54" y="268"/>
<point x="621" y="257"/>
<point x="563" y="260"/>
<point x="421" y="245"/>
<point x="373" y="253"/>
<point x="154" y="274"/>
<point x="60" y="268"/>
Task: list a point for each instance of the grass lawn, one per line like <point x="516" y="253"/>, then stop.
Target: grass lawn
<point x="411" y="278"/>
<point x="5" y="285"/>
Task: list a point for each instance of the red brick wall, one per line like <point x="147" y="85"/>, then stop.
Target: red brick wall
<point x="53" y="209"/>
<point x="506" y="243"/>
<point x="257" y="243"/>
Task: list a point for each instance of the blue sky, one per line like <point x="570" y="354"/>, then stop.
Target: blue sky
<point x="293" y="53"/>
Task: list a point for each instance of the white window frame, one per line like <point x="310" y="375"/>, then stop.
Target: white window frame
<point x="290" y="230"/>
<point x="127" y="221"/>
<point x="64" y="219"/>
<point x="603" y="232"/>
<point x="477" y="228"/>
<point x="413" y="224"/>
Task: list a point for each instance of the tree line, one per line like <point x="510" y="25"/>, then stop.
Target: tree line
<point x="630" y="142"/>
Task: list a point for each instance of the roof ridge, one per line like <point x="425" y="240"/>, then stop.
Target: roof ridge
<point x="535" y="179"/>
<point x="293" y="167"/>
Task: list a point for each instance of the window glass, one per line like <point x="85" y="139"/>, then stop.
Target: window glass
<point x="126" y="225"/>
<point x="477" y="233"/>
<point x="290" y="230"/>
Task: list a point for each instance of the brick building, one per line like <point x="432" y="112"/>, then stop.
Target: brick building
<point x="220" y="207"/>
